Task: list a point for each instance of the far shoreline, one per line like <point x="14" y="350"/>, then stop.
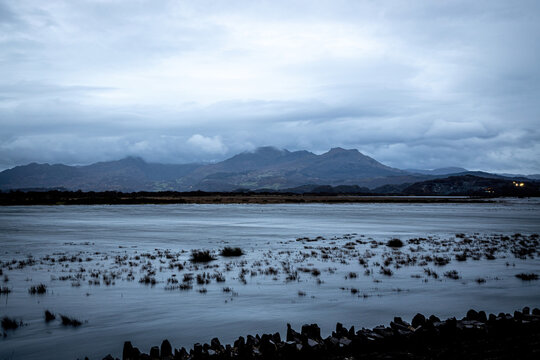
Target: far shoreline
<point x="18" y="198"/>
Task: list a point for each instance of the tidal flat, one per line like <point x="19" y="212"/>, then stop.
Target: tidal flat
<point x="144" y="273"/>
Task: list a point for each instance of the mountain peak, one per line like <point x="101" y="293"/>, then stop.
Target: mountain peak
<point x="340" y="150"/>
<point x="269" y="150"/>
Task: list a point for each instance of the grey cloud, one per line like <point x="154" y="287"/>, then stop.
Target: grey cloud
<point x="6" y="15"/>
<point x="423" y="84"/>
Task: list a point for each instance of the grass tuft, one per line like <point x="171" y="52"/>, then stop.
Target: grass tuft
<point x="527" y="277"/>
<point x="10" y="324"/>
<point x="37" y="289"/>
<point x="394" y="243"/>
<point x="67" y="321"/>
<point x="49" y="316"/>
<point x="200" y="256"/>
<point x="231" y="252"/>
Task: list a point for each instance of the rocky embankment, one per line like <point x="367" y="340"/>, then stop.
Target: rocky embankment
<point x="476" y="336"/>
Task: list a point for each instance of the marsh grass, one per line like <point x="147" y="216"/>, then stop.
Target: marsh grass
<point x="394" y="243"/>
<point x="201" y="256"/>
<point x="38" y="289"/>
<point x="67" y="321"/>
<point x="10" y="324"/>
<point x="49" y="316"/>
<point x="232" y="252"/>
<point x="527" y="277"/>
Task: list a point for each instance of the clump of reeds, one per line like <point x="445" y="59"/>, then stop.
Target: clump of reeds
<point x="394" y="243"/>
<point x="4" y="290"/>
<point x="37" y="289"/>
<point x="67" y="321"/>
<point x="199" y="256"/>
<point x="452" y="274"/>
<point x="10" y="324"/>
<point x="527" y="277"/>
<point x="232" y="252"/>
<point x="49" y="316"/>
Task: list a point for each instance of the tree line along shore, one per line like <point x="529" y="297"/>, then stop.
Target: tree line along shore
<point x="57" y="197"/>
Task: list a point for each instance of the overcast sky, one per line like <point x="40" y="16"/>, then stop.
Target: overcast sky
<point x="414" y="84"/>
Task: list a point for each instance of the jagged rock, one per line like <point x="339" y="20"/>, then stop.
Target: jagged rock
<point x="451" y="323"/>
<point x="180" y="354"/>
<point x="400" y="321"/>
<point x="289" y="347"/>
<point x="370" y="335"/>
<point x="472" y="315"/>
<point x="501" y="336"/>
<point x="332" y="340"/>
<point x="418" y="320"/>
<point x="166" y="350"/>
<point x="311" y="331"/>
<point x="311" y="343"/>
<point x="399" y="326"/>
<point x="267" y="345"/>
<point x="154" y="353"/>
<point x="251" y="341"/>
<point x="482" y="316"/>
<point x="383" y="331"/>
<point x="471" y="324"/>
<point x="215" y="344"/>
<point x="351" y="332"/>
<point x="293" y="335"/>
<point x="108" y="357"/>
<point x="197" y="349"/>
<point x="340" y="331"/>
<point x="536" y="311"/>
<point x="240" y="343"/>
<point x="526" y="310"/>
<point x="127" y="352"/>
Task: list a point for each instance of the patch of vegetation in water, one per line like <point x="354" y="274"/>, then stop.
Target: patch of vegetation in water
<point x="232" y="252"/>
<point x="201" y="256"/>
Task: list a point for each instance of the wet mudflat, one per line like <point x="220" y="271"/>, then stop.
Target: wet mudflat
<point x="145" y="273"/>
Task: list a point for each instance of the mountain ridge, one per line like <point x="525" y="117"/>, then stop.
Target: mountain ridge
<point x="263" y="168"/>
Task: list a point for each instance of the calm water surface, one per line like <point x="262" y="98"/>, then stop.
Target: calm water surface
<point x="129" y="310"/>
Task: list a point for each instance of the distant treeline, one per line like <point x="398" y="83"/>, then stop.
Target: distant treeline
<point x="464" y="186"/>
<point x="56" y="197"/>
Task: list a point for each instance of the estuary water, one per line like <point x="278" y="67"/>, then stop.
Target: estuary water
<point x="313" y="263"/>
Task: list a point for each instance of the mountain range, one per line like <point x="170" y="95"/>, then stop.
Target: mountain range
<point x="265" y="168"/>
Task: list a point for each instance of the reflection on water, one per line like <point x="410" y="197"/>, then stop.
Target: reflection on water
<point x="272" y="284"/>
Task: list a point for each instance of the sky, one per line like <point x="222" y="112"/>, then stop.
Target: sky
<point x="414" y="84"/>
